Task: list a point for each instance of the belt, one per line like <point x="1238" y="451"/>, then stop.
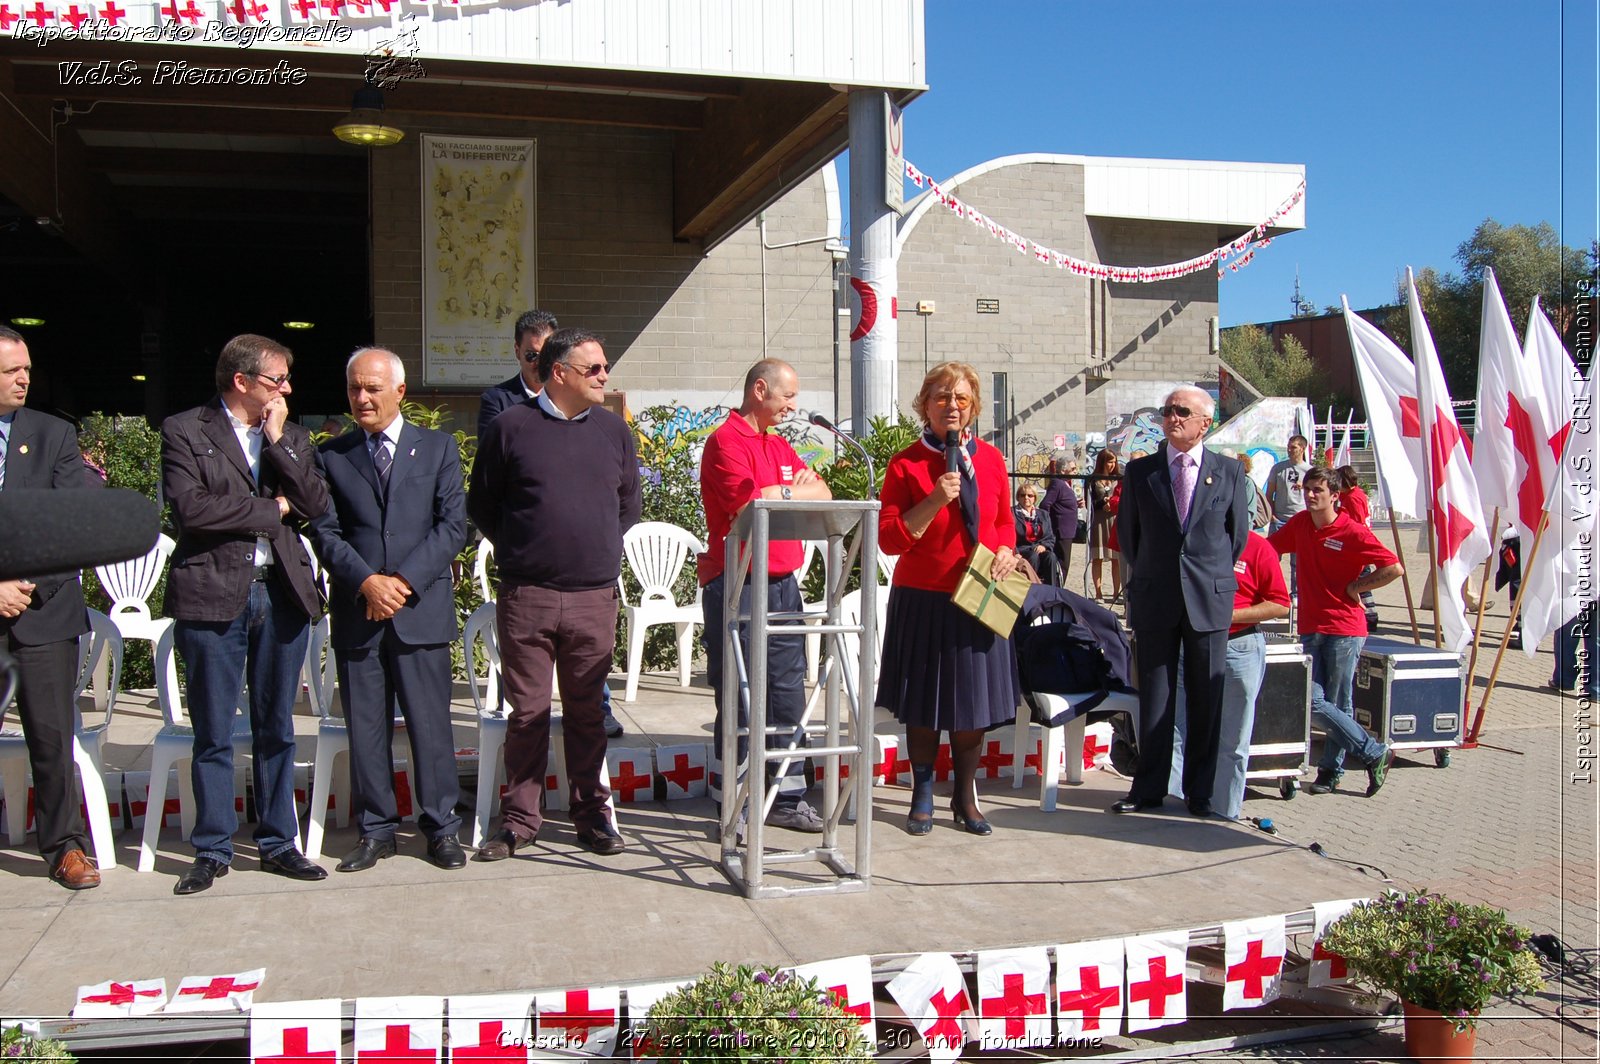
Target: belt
<point x="262" y="574"/>
<point x="1254" y="629"/>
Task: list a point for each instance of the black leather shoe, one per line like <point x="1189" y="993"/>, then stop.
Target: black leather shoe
<point x="294" y="865"/>
<point x="198" y="876"/>
<point x="1131" y="804"/>
<point x="1199" y="807"/>
<point x="369" y="853"/>
<point x="613" y="726"/>
<point x="446" y="852"/>
<point x="601" y="839"/>
<point x="500" y="845"/>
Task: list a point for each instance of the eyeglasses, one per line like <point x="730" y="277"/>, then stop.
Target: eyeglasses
<point x="594" y="369"/>
<point x="960" y="402"/>
<point x="1172" y="409"/>
<point x="276" y="382"/>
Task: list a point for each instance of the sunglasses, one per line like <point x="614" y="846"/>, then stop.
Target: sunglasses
<point x="593" y="369"/>
<point x="1173" y="409"/>
<point x="960" y="402"/>
<point x="276" y="382"/>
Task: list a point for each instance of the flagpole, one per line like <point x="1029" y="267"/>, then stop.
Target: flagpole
<point x="1483" y="601"/>
<point x="1425" y="423"/>
<point x="1405" y="576"/>
<point x="1505" y="639"/>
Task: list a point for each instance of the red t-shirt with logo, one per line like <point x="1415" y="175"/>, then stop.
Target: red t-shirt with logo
<point x="737" y="463"/>
<point x="1260" y="577"/>
<point x="1328" y="559"/>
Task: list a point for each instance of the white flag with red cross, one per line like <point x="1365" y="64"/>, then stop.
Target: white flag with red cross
<point x="632" y="775"/>
<point x="1014" y="997"/>
<point x="1097" y="744"/>
<point x="1560" y="377"/>
<point x="1327" y="967"/>
<point x="584" y="1020"/>
<point x="217" y="993"/>
<point x="1389" y="392"/>
<point x="491" y="1027"/>
<point x="683" y="770"/>
<point x="641" y="999"/>
<point x="933" y="995"/>
<point x="296" y="1032"/>
<point x="1157" y="991"/>
<point x="848" y="981"/>
<point x="1460" y="541"/>
<point x="1252" y="952"/>
<point x="1089" y="999"/>
<point x="401" y="1030"/>
<point x="994" y="758"/>
<point x="130" y="997"/>
<point x="888" y="764"/>
<point x="1494" y="450"/>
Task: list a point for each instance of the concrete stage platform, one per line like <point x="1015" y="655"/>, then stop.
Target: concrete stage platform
<point x="558" y="917"/>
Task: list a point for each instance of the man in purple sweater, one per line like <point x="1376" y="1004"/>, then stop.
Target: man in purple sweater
<point x="555" y="485"/>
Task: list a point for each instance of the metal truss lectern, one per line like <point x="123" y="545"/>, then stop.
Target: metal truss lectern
<point x="842" y="744"/>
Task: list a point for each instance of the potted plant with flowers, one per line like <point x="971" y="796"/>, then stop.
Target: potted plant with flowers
<point x="749" y="1013"/>
<point x="1445" y="960"/>
<point x="18" y="1043"/>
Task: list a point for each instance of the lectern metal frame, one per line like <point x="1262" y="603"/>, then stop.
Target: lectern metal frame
<point x="843" y="742"/>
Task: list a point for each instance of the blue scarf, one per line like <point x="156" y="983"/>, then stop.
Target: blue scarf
<point x="961" y="461"/>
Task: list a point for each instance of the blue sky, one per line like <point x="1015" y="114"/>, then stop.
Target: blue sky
<point x="1415" y="119"/>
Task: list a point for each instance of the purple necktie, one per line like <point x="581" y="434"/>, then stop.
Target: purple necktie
<point x="1183" y="487"/>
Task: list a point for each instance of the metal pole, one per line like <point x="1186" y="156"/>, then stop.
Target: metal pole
<point x="873" y="270"/>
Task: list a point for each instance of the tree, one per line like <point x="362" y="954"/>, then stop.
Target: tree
<point x="1283" y="369"/>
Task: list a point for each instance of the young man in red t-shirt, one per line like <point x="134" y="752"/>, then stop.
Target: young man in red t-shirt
<point x="1332" y="550"/>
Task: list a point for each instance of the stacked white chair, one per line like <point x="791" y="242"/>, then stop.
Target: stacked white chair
<point x="129" y="586"/>
<point x="657" y="552"/>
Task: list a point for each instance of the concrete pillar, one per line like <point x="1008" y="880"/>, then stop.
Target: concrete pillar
<point x="874" y="335"/>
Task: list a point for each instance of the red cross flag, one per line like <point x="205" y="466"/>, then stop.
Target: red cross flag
<point x="585" y="1021"/>
<point x="217" y="993"/>
<point x="1089" y="997"/>
<point x="401" y="1030"/>
<point x="1253" y="952"/>
<point x="1097" y="744"/>
<point x="134" y="997"/>
<point x="888" y="765"/>
<point x="1389" y="392"/>
<point x="1460" y="542"/>
<point x="849" y="982"/>
<point x="1014" y="998"/>
<point x="641" y="999"/>
<point x="933" y="995"/>
<point x="994" y="761"/>
<point x="296" y="1032"/>
<point x="1494" y="451"/>
<point x="1156" y="993"/>
<point x="632" y="780"/>
<point x="1327" y="967"/>
<point x="491" y="1027"/>
<point x="683" y="768"/>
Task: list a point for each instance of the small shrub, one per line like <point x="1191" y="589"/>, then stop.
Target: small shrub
<point x="748" y="1014"/>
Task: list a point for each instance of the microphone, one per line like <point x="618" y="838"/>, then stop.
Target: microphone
<point x="822" y="422"/>
<point x="952" y="452"/>
<point x="53" y="531"/>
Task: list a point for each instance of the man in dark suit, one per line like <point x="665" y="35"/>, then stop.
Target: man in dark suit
<point x="1183" y="523"/>
<point x="40" y="622"/>
<point x="242" y="480"/>
<point x="397" y="520"/>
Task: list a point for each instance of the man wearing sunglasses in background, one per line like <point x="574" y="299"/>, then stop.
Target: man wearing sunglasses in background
<point x="1182" y="525"/>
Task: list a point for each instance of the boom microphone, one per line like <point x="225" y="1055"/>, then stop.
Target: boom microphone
<point x="52" y="531"/>
<point x="822" y="422"/>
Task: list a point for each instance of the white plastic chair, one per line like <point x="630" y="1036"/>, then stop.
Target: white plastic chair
<point x="657" y="552"/>
<point x="129" y="585"/>
<point x="99" y="658"/>
<point x="480" y="570"/>
<point x="813" y="548"/>
<point x="886" y="564"/>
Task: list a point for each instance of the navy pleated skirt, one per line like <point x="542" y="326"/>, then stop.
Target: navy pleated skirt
<point x="944" y="669"/>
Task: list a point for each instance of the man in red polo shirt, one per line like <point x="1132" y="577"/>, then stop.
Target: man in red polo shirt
<point x="1331" y="550"/>
<point x="745" y="460"/>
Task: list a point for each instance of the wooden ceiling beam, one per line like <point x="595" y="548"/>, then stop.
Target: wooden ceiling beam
<point x="204" y="165"/>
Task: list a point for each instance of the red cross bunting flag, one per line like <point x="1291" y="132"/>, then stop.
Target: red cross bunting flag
<point x="1327" y="967"/>
<point x="1157" y="996"/>
<point x="1389" y="392"/>
<point x="1496" y="430"/>
<point x="1253" y="952"/>
<point x="994" y="759"/>
<point x="1097" y="745"/>
<point x="1014" y="998"/>
<point x="491" y="1027"/>
<point x="133" y="997"/>
<point x="632" y="778"/>
<point x="584" y="1021"/>
<point x="402" y="1030"/>
<point x="848" y="981"/>
<point x="933" y="995"/>
<point x="1089" y="999"/>
<point x="296" y="1032"/>
<point x="641" y="999"/>
<point x="217" y="993"/>
<point x="683" y="770"/>
<point x="888" y="765"/>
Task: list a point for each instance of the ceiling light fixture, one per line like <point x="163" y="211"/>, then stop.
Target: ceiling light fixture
<point x="299" y="325"/>
<point x="140" y="377"/>
<point x="364" y="126"/>
<point x="27" y="323"/>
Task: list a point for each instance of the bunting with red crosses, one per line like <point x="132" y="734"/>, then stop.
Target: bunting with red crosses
<point x="933" y="995"/>
<point x="632" y="776"/>
<point x="849" y="982"/>
<point x="1157" y="980"/>
<point x="217" y="993"/>
<point x="131" y="997"/>
<point x="1327" y="967"/>
<point x="1014" y="998"/>
<point x="491" y="1027"/>
<point x="682" y="770"/>
<point x="296" y="1032"/>
<point x="583" y="1020"/>
<point x="1253" y="953"/>
<point x="399" y="1030"/>
<point x="1089" y="995"/>
<point x="641" y="999"/>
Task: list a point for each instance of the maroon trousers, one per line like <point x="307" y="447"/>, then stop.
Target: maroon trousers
<point x="570" y="633"/>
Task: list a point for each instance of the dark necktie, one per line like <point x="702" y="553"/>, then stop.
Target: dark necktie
<point x="5" y="444"/>
<point x="381" y="458"/>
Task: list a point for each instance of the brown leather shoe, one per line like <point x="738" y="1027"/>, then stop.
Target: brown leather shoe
<point x="76" y="871"/>
<point x="500" y="845"/>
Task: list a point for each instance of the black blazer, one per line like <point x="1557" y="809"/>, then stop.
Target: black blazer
<point x="43" y="453"/>
<point x="495" y="401"/>
<point x="219" y="511"/>
<point x="1159" y="557"/>
<point x="414" y="532"/>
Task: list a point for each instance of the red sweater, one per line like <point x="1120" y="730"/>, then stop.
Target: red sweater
<point x="936" y="561"/>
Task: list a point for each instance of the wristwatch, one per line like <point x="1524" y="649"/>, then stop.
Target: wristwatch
<point x="787" y="493"/>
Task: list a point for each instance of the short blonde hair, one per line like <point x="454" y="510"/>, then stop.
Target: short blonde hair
<point x="944" y="375"/>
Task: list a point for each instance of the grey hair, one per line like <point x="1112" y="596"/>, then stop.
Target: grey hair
<point x="1204" y="404"/>
<point x="397" y="368"/>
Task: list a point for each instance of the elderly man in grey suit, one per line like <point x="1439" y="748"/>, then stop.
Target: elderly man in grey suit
<point x="397" y="517"/>
<point x="1183" y="522"/>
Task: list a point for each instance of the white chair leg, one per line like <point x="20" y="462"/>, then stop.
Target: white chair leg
<point x="685" y="651"/>
<point x="1020" y="738"/>
<point x="492" y="743"/>
<point x="813" y="653"/>
<point x="94" y="797"/>
<point x="321" y="780"/>
<point x="155" y="804"/>
<point x="1050" y="748"/>
<point x="1074" y="749"/>
<point x="635" y="658"/>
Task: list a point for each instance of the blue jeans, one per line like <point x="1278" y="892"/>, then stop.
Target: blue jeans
<point x="1333" y="671"/>
<point x="1580" y="631"/>
<point x="267" y="641"/>
<point x="1244" y="666"/>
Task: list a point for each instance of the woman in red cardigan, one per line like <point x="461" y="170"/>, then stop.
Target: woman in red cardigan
<point x="942" y="669"/>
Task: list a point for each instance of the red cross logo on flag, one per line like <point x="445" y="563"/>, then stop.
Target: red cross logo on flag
<point x="630" y="782"/>
<point x="1157" y="996"/>
<point x="994" y="761"/>
<point x="491" y="1027"/>
<point x="7" y="17"/>
<point x="933" y="995"/>
<point x="1096" y="744"/>
<point x="39" y="15"/>
<point x="580" y="1019"/>
<point x="1089" y="988"/>
<point x="296" y="1032"/>
<point x="1327" y="968"/>
<point x="849" y="982"/>
<point x="75" y="16"/>
<point x="133" y="998"/>
<point x="683" y="768"/>
<point x="1253" y="952"/>
<point x="217" y="993"/>
<point x="404" y="1030"/>
<point x="1013" y="997"/>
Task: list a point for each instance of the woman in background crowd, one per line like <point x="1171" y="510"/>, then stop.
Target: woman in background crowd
<point x="1036" y="537"/>
<point x="1102" y="485"/>
<point x="1060" y="504"/>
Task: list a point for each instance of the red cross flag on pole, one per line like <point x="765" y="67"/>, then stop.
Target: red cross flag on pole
<point x="1327" y="967"/>
<point x="848" y="981"/>
<point x="1014" y="998"/>
<point x="1389" y="392"/>
<point x="491" y="1027"/>
<point x="217" y="993"/>
<point x="1252" y="952"/>
<point x="933" y="995"/>
<point x="1156" y="980"/>
<point x="296" y="1032"/>
<point x="582" y="1020"/>
<point x="131" y="997"/>
<point x="683" y="768"/>
<point x="1089" y="998"/>
<point x="1494" y="451"/>
<point x="399" y="1030"/>
<point x="640" y="1001"/>
<point x="1460" y="542"/>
